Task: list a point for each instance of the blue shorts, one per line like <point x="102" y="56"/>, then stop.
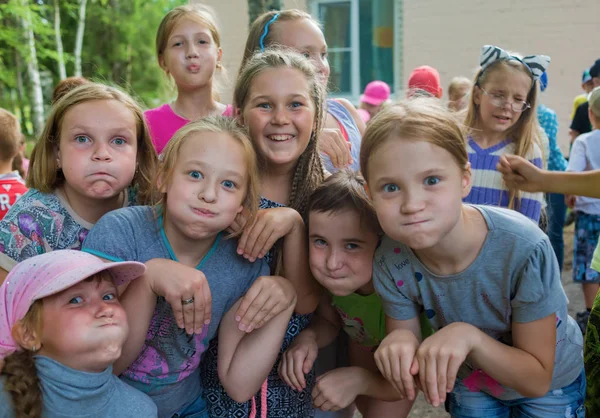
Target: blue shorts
<point x="587" y="231"/>
<point x="562" y="403"/>
<point x="196" y="409"/>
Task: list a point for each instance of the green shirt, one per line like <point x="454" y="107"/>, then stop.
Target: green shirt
<point x="362" y="316"/>
<point x="591" y="351"/>
<point x="364" y="320"/>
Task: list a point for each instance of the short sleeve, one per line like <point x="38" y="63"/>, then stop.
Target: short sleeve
<point x="25" y="231"/>
<point x="113" y="237"/>
<point x="538" y="291"/>
<point x="577" y="158"/>
<point x="395" y="304"/>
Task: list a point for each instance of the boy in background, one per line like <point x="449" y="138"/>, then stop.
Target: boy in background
<point x="12" y="185"/>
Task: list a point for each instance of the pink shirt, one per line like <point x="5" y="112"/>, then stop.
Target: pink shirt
<point x="163" y="123"/>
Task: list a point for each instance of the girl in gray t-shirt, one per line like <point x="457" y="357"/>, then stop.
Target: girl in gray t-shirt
<point x="486" y="277"/>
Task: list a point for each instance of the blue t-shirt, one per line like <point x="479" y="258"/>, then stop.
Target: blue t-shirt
<point x="167" y="367"/>
<point x="515" y="277"/>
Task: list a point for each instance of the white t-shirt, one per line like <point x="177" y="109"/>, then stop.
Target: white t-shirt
<point x="585" y="156"/>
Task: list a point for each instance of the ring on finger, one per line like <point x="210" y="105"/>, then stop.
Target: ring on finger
<point x="187" y="301"/>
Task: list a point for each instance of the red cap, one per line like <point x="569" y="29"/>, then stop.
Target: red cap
<point x="425" y="78"/>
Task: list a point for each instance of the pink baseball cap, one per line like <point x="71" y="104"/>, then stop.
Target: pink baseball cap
<point x="48" y="274"/>
<point x="425" y="78"/>
<point x="376" y="93"/>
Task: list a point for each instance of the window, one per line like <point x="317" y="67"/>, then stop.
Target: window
<point x="362" y="45"/>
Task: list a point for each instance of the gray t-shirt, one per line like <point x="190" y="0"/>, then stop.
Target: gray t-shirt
<point x="68" y="393"/>
<point x="167" y="367"/>
<point x="515" y="277"/>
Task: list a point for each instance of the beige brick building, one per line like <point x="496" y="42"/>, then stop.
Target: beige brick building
<point x="388" y="38"/>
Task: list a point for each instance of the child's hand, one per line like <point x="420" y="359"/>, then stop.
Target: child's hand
<point x="298" y="360"/>
<point x="267" y="297"/>
<point x="440" y="356"/>
<point x="178" y="283"/>
<point x="518" y="173"/>
<point x="397" y="362"/>
<point x="338" y="388"/>
<point x="334" y="145"/>
<point x="239" y="222"/>
<point x="268" y="226"/>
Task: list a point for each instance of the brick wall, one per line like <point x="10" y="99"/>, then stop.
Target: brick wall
<point x="449" y="34"/>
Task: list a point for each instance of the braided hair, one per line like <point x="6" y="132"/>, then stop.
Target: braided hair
<point x="309" y="171"/>
<point x="21" y="377"/>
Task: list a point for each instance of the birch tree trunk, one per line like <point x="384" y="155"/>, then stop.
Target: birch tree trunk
<point x="33" y="72"/>
<point x="79" y="37"/>
<point x="62" y="71"/>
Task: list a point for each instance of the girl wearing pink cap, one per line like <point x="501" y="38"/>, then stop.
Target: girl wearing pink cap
<point x="375" y="96"/>
<point x="61" y="329"/>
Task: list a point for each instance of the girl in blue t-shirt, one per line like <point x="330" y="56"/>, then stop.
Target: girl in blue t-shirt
<point x="486" y="277"/>
<point x="208" y="176"/>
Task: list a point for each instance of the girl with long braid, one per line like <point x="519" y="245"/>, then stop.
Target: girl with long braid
<point x="279" y="98"/>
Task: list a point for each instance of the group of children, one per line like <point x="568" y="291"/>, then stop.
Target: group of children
<point x="207" y="279"/>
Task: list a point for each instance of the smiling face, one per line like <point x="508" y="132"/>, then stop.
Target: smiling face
<point x="506" y="84"/>
<point x="304" y="36"/>
<point x="280" y="115"/>
<point x="207" y="186"/>
<point x="417" y="190"/>
<point x="341" y="250"/>
<point x="190" y="55"/>
<point x="97" y="149"/>
<point x="84" y="327"/>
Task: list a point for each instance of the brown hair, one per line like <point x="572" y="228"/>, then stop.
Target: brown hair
<point x="257" y="30"/>
<point x="420" y="119"/>
<point x="214" y="124"/>
<point x="309" y="172"/>
<point x="44" y="174"/>
<point x="22" y="381"/>
<point x="10" y="135"/>
<point x="525" y="132"/>
<point x="66" y="85"/>
<point x="344" y="190"/>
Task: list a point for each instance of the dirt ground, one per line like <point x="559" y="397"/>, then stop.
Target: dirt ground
<point x="422" y="409"/>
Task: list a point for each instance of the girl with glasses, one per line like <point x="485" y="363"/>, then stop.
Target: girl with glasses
<point x="501" y="120"/>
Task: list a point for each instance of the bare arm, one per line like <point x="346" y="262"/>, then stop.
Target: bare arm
<point x="3" y="274"/>
<point x="396" y="355"/>
<point x="521" y="174"/>
<point x="325" y="325"/>
<point x="245" y="360"/>
<point x="139" y="302"/>
<point x="526" y="367"/>
<point x="296" y="268"/>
